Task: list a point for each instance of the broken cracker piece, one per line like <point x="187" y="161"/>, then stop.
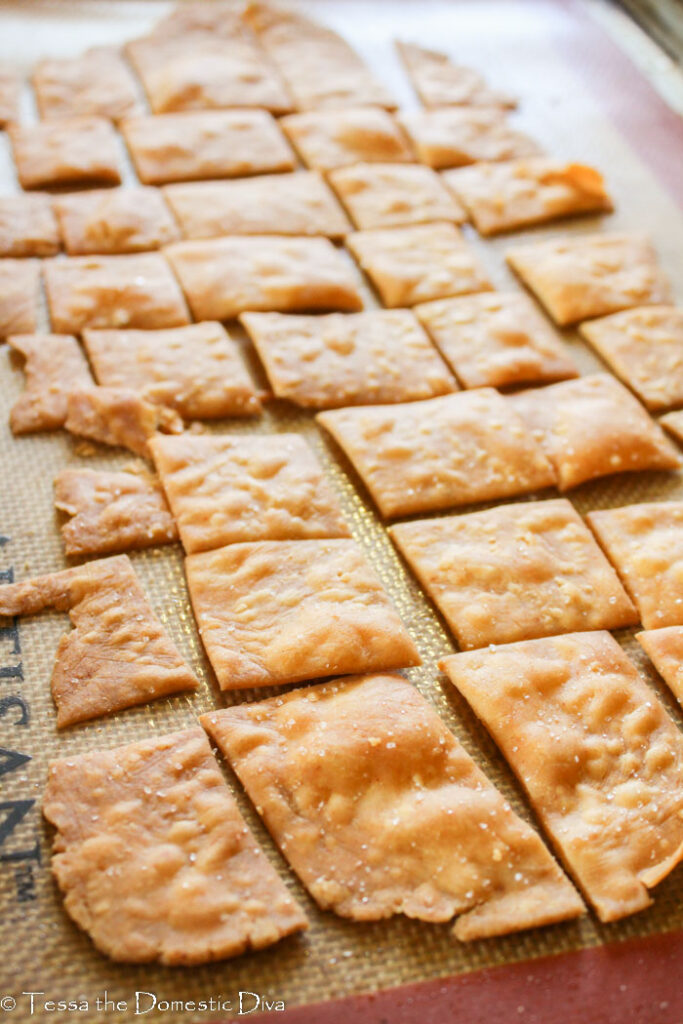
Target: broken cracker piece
<point x="118" y="417"/>
<point x="28" y="226"/>
<point x="54" y="366"/>
<point x="98" y="82"/>
<point x="66" y="151"/>
<point x="458" y="136"/>
<point x="664" y="647"/>
<point x="112" y="221"/>
<point x="393" y="195"/>
<point x="441" y="83"/>
<point x="326" y="139"/>
<point x="19" y="296"/>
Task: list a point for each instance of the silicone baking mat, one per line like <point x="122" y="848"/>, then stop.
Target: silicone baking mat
<point x="583" y="100"/>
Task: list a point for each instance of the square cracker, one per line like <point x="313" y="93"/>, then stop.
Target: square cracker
<point x="454" y="450"/>
<point x="196" y="370"/>
<point x="98" y="82"/>
<point x="118" y="417"/>
<point x="457" y="136"/>
<point x="154" y="858"/>
<point x="441" y="83"/>
<point x="593" y="427"/>
<point x="116" y="220"/>
<point x="323" y="362"/>
<point x="224" y="489"/>
<point x="281" y="204"/>
<point x="280" y="612"/>
<point x="580" y="277"/>
<point x="113" y="291"/>
<point x="326" y="139"/>
<point x="19" y="296"/>
<point x="596" y="752"/>
<point x="643" y="347"/>
<point x="518" y="193"/>
<point x="392" y="195"/>
<point x="664" y="647"/>
<point x="515" y="573"/>
<point x="645" y="544"/>
<point x="418" y="263"/>
<point x="206" y="144"/>
<point x="496" y="339"/>
<point x="410" y="824"/>
<point x="10" y="96"/>
<point x="66" y="151"/>
<point x="28" y="226"/>
<point x="54" y="366"/>
<point x="223" y="277"/>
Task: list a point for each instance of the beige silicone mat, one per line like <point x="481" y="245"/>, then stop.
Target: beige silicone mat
<point x="518" y="44"/>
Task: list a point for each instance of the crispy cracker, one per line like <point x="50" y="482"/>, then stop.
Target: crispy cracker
<point x="111" y="221"/>
<point x="118" y="417"/>
<point x="596" y="752"/>
<point x="222" y="277"/>
<point x="280" y="612"/>
<point x="441" y="83"/>
<point x="154" y="858"/>
<point x="19" y="290"/>
<point x="673" y="421"/>
<point x="381" y="811"/>
<point x="54" y="366"/>
<point x="323" y="362"/>
<point x="196" y="370"/>
<point x="10" y="96"/>
<point x="326" y="139"/>
<point x="98" y="82"/>
<point x="393" y="195"/>
<point x="66" y="151"/>
<point x="664" y="647"/>
<point x="224" y="489"/>
<point x="453" y="450"/>
<point x="515" y="573"/>
<point x="27" y="226"/>
<point x="457" y="136"/>
<point x="593" y="427"/>
<point x="418" y="263"/>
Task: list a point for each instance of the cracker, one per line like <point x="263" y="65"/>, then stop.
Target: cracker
<point x="644" y="348"/>
<point x="418" y="263"/>
<point x="113" y="291"/>
<point x="97" y="82"/>
<point x="117" y="655"/>
<point x="596" y="752"/>
<point x="19" y="291"/>
<point x="222" y="277"/>
<point x="644" y="542"/>
<point x="457" y="136"/>
<point x="112" y="511"/>
<point x="322" y="362"/>
<point x="453" y="450"/>
<point x="515" y="573"/>
<point x="196" y="370"/>
<point x="10" y="96"/>
<point x="206" y="144"/>
<point x="224" y="489"/>
<point x="664" y="647"/>
<point x="118" y="417"/>
<point x="519" y="193"/>
<point x="441" y="83"/>
<point x="673" y="421"/>
<point x="112" y="221"/>
<point x="54" y="366"/>
<point x="279" y="204"/>
<point x="66" y="151"/>
<point x="154" y="858"/>
<point x="380" y="810"/>
<point x="326" y="139"/>
<point x="280" y="612"/>
<point x="593" y="427"/>
<point x="393" y="195"/>
<point x="580" y="277"/>
<point x="318" y="65"/>
<point x="27" y="226"/>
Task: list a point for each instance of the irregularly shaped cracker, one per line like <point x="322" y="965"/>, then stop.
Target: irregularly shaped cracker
<point x="224" y="489"/>
<point x="206" y="144"/>
<point x="664" y="647"/>
<point x="196" y="370"/>
<point x="418" y="263"/>
<point x="515" y="573"/>
<point x="495" y="339"/>
<point x="118" y="653"/>
<point x="155" y="860"/>
<point x="441" y="83"/>
<point x="645" y="544"/>
<point x="454" y="450"/>
<point x="323" y="362"/>
<point x="19" y="289"/>
<point x="327" y="139"/>
<point x="112" y="221"/>
<point x="222" y="277"/>
<point x="644" y="347"/>
<point x="280" y="612"/>
<point x="380" y="810"/>
<point x="280" y="204"/>
<point x="113" y="291"/>
<point x="55" y="365"/>
<point x="27" y="226"/>
<point x="118" y="417"/>
<point x="514" y="194"/>
<point x="10" y="96"/>
<point x="112" y="512"/>
<point x="599" y="757"/>
<point x="580" y="277"/>
<point x="673" y="421"/>
<point x="393" y="195"/>
<point x="66" y="151"/>
<point x="456" y="136"/>
<point x="593" y="427"/>
<point x="97" y="82"/>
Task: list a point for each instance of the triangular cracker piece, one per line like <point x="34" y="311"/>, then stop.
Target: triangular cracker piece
<point x="441" y="83"/>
